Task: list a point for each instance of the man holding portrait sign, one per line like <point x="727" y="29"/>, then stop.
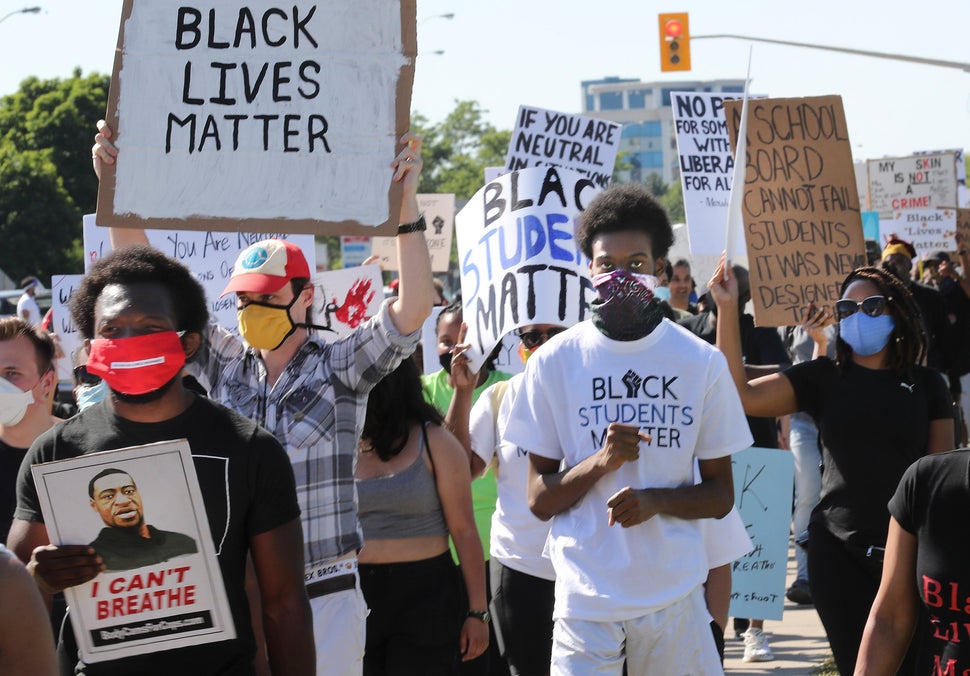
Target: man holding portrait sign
<point x="304" y="73"/>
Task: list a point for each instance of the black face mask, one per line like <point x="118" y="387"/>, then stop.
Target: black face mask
<point x="445" y="360"/>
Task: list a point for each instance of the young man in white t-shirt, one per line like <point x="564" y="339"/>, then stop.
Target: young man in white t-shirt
<point x="614" y="412"/>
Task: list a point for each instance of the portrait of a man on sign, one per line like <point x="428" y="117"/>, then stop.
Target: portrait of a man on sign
<point x="127" y="541"/>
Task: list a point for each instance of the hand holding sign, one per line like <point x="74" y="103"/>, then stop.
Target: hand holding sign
<point x="57" y="568"/>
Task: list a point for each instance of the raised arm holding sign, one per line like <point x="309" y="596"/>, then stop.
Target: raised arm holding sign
<point x="877" y="369"/>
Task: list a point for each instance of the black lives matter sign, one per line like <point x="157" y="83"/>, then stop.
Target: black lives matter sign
<point x="259" y="116"/>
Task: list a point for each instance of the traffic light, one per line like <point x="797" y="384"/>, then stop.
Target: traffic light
<point x="674" y="42"/>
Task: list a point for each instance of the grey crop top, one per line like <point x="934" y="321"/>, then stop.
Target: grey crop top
<point x="404" y="505"/>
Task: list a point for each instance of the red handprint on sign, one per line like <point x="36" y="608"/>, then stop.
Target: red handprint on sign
<point x="354" y="309"/>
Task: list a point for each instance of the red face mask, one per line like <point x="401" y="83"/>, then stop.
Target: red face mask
<point x="139" y="364"/>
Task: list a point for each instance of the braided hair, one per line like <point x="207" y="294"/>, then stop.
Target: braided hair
<point x="907" y="343"/>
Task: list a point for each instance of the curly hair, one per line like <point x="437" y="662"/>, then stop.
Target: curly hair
<point x="135" y="265"/>
<point x="621" y="208"/>
<point x="395" y="404"/>
<point x="907" y="343"/>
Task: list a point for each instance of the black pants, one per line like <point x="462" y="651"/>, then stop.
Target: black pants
<point x="844" y="582"/>
<point x="522" y="606"/>
<point x="416" y="613"/>
<point x="489" y="663"/>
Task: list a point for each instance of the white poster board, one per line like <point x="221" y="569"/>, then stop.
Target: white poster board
<point x="133" y="609"/>
<point x="927" y="230"/>
<point x="518" y="256"/>
<point x="763" y="481"/>
<point x="210" y="255"/>
<point x="544" y="138"/>
<point x="68" y="338"/>
<point x="439" y="214"/>
<point x="915" y="182"/>
<point x="344" y="299"/>
<point x="259" y="116"/>
<point x="706" y="171"/>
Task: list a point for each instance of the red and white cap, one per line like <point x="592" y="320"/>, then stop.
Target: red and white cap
<point x="266" y="266"/>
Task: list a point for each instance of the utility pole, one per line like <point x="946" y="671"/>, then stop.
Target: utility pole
<point x="845" y="50"/>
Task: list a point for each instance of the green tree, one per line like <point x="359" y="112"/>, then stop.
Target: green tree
<point x="673" y="201"/>
<point x="39" y="223"/>
<point x="59" y="115"/>
<point x="457" y="150"/>
<point x="46" y="181"/>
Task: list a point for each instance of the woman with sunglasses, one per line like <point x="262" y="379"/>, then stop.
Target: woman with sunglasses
<point x="877" y="409"/>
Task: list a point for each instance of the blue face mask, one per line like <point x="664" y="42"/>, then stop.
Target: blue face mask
<point x="87" y="395"/>
<point x="662" y="292"/>
<point x="866" y="335"/>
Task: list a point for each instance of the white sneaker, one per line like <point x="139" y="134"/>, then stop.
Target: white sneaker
<point x="756" y="647"/>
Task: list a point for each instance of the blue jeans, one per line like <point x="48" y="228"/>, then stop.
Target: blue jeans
<point x="804" y="443"/>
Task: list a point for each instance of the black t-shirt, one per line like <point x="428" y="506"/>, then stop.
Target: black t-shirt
<point x="931" y="503"/>
<point x="874" y="423"/>
<point x="958" y="316"/>
<point x="247" y="486"/>
<point x="10" y="460"/>
<point x="125" y="548"/>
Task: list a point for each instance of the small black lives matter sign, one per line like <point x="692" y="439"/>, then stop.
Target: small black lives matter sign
<point x="800" y="206"/>
<point x="259" y="116"/>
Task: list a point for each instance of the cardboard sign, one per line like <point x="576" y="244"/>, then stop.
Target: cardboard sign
<point x="802" y="225"/>
<point x="518" y="255"/>
<point x="927" y="230"/>
<point x="210" y="255"/>
<point x="170" y="597"/>
<point x="439" y="213"/>
<point x="259" y="116"/>
<point x="547" y="138"/>
<point x="916" y="182"/>
<point x="706" y="170"/>
<point x="763" y="482"/>
<point x="344" y="299"/>
<point x="963" y="229"/>
<point x="68" y="337"/>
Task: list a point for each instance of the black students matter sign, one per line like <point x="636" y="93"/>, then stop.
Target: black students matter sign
<point x="259" y="115"/>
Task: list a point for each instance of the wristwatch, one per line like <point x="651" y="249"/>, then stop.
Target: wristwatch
<point x="482" y="615"/>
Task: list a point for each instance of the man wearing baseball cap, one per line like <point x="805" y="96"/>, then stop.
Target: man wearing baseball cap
<point x="312" y="395"/>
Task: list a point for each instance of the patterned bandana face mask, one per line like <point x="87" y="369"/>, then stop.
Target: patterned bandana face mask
<point x="627" y="308"/>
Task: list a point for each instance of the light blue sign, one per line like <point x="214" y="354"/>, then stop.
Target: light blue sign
<point x="763" y="481"/>
<point x="870" y="225"/>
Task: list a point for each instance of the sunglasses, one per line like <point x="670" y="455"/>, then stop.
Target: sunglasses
<point x="82" y="377"/>
<point x="872" y="306"/>
<point x="532" y="339"/>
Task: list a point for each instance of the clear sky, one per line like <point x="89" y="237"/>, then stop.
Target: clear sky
<point x="503" y="53"/>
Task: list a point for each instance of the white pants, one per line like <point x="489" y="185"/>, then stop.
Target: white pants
<point x="674" y="641"/>
<point x="339" y="624"/>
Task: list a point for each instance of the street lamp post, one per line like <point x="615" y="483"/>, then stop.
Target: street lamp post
<point x="25" y="10"/>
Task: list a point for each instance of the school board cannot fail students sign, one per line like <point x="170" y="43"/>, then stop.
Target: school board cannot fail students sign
<point x="149" y="599"/>
<point x="800" y="207"/>
<point x="248" y="115"/>
<point x="518" y="256"/>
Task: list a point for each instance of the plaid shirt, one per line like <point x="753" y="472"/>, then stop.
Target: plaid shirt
<point x="316" y="410"/>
